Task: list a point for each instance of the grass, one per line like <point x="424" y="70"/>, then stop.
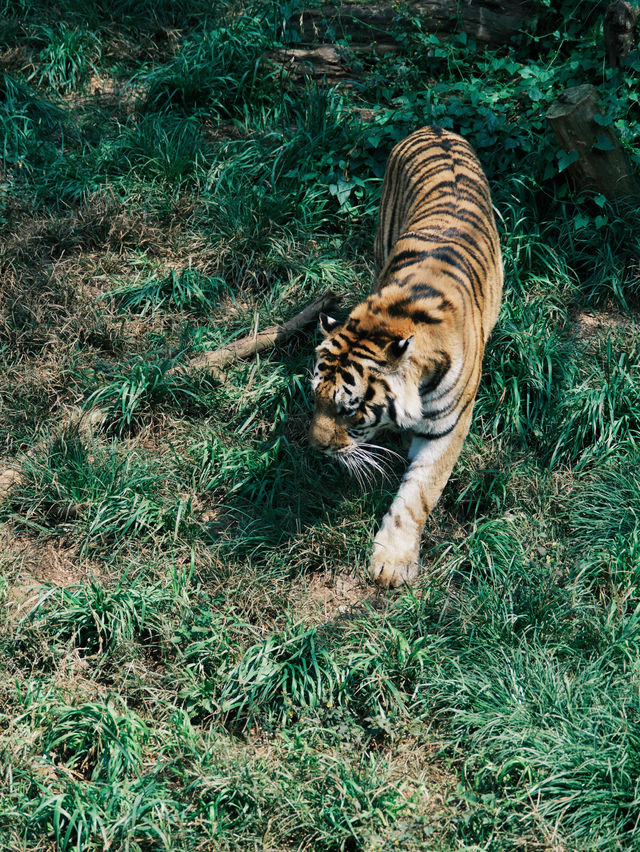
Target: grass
<point x="192" y="657"/>
<point x="67" y="58"/>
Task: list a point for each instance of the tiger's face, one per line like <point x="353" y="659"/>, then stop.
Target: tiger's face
<point x="356" y="383"/>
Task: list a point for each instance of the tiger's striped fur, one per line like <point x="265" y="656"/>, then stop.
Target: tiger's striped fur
<point x="409" y="357"/>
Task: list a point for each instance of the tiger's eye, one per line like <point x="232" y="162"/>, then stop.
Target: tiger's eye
<point x="344" y="410"/>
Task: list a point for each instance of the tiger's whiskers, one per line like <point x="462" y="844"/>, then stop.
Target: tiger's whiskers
<point x="364" y="460"/>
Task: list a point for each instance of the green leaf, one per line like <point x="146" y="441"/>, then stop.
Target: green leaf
<point x="342" y="189"/>
<point x="603" y="143"/>
<point x="566" y="159"/>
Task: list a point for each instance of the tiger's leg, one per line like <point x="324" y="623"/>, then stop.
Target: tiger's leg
<point x="396" y="546"/>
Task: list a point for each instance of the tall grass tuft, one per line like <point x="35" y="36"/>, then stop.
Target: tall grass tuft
<point x="288" y="670"/>
<point x="216" y="69"/>
<point x="602" y="408"/>
<point x="103" y="495"/>
<point x="186" y="290"/>
<point x="68" y="57"/>
<point x="129" y="398"/>
<point x="102" y="741"/>
<point x="28" y="122"/>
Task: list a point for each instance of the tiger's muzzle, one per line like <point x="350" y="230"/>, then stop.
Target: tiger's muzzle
<point x="326" y="433"/>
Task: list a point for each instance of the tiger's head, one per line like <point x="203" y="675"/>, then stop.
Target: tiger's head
<point x="360" y="383"/>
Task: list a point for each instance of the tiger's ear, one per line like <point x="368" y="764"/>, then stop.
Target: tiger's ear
<point x="398" y="349"/>
<point x="327" y="324"/>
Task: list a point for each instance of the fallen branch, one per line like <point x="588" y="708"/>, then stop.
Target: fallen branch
<point x="365" y="30"/>
<point x="488" y="21"/>
<point x="258" y="342"/>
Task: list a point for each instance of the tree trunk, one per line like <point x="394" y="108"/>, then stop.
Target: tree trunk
<point x="619" y="28"/>
<point x="601" y="162"/>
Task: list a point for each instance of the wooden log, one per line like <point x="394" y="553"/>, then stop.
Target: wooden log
<point x="600" y="161"/>
<point x="365" y="31"/>
<point x="329" y="61"/>
<point x="252" y="344"/>
<point x="488" y="21"/>
<point x="619" y="28"/>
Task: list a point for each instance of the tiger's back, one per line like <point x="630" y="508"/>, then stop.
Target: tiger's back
<point x="436" y="206"/>
<point x="409" y="357"/>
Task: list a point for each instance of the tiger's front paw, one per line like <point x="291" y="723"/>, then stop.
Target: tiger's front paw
<point x="395" y="558"/>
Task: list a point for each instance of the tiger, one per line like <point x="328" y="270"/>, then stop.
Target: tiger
<point x="409" y="357"/>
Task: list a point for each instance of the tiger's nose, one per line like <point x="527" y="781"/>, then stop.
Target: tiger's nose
<point x="319" y="437"/>
<point x="322" y="432"/>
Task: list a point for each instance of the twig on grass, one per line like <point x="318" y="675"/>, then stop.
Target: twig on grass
<point x="87" y="421"/>
<point x="259" y="341"/>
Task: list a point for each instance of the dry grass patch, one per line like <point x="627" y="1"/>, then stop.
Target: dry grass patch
<point x="328" y="596"/>
<point x="591" y="327"/>
<point x="32" y="565"/>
